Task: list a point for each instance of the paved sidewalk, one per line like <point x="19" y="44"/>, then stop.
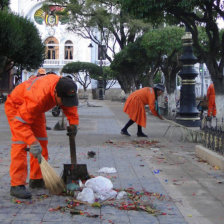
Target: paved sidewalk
<point x="190" y="191"/>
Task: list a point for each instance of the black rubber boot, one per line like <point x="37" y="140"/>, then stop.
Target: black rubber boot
<point x="125" y="132"/>
<point x="20" y="192"/>
<point x="36" y="183"/>
<point x="141" y="134"/>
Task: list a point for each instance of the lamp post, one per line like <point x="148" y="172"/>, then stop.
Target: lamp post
<point x="201" y="71"/>
<point x="100" y="80"/>
<point x="188" y="115"/>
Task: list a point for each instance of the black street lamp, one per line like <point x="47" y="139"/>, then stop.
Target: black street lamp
<point x="100" y="80"/>
<point x="188" y="114"/>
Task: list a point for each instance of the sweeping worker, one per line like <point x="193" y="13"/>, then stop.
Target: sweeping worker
<point x="25" y="108"/>
<point x="135" y="107"/>
<point x="211" y="101"/>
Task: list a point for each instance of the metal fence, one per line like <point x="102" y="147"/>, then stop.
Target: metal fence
<point x="212" y="134"/>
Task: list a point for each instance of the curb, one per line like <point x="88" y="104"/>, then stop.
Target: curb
<point x="211" y="157"/>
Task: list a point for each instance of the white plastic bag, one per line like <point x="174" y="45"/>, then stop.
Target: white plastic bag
<point x="99" y="184"/>
<point x="121" y="195"/>
<point x="102" y="187"/>
<point x="107" y="170"/>
<point x="86" y="195"/>
<point x="106" y="195"/>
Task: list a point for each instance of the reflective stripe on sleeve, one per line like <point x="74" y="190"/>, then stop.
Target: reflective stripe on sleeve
<point x="21" y="120"/>
<point x="35" y="79"/>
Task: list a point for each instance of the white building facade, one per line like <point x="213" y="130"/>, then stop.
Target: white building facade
<point x="62" y="46"/>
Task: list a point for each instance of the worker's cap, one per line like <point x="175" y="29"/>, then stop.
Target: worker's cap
<point x="160" y="86"/>
<point x="41" y="71"/>
<point x="66" y="89"/>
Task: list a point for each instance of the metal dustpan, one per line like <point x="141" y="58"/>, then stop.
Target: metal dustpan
<point x="73" y="172"/>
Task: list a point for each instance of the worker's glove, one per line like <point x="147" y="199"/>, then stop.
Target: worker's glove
<point x="72" y="130"/>
<point x="36" y="150"/>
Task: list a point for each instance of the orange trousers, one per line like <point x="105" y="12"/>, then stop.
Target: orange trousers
<point x="19" y="166"/>
<point x="211" y="106"/>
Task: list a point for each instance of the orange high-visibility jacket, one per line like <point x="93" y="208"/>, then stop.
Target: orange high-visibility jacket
<point x="211" y="100"/>
<point x="135" y="105"/>
<point x="31" y="99"/>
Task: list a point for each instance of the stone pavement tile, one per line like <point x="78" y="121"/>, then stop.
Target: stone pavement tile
<point x="142" y="218"/>
<point x="208" y="207"/>
<point x="35" y="209"/>
<point x="25" y="222"/>
<point x="215" y="219"/>
<point x="5" y="222"/>
<point x="164" y="219"/>
<point x="7" y="216"/>
<point x="114" y="215"/>
<point x="53" y="216"/>
<point x="8" y="210"/>
<point x="28" y="217"/>
<point x="201" y="220"/>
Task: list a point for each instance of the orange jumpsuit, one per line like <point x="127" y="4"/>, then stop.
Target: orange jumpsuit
<point x="25" y="108"/>
<point x="211" y="100"/>
<point x="135" y="105"/>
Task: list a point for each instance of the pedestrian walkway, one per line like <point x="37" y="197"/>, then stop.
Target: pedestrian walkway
<point x="184" y="189"/>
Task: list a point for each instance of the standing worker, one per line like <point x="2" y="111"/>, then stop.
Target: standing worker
<point x="211" y="101"/>
<point x="25" y="108"/>
<point x="135" y="107"/>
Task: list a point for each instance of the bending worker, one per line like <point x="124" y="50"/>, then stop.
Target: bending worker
<point x="211" y="101"/>
<point x="25" y="108"/>
<point x="135" y="107"/>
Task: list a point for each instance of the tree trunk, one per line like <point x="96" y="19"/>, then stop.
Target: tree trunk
<point x="170" y="83"/>
<point x="171" y="104"/>
<point x="126" y="83"/>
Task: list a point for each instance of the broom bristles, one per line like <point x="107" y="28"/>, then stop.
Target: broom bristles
<point x="51" y="179"/>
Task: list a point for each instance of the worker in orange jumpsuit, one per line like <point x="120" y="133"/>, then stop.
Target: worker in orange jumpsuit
<point x="25" y="108"/>
<point x="135" y="107"/>
<point x="211" y="101"/>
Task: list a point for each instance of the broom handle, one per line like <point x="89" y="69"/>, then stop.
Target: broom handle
<point x="72" y="147"/>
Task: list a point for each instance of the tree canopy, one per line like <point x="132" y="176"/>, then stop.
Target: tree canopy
<point x="192" y="13"/>
<point x="4" y="4"/>
<point x="20" y="42"/>
<point x="83" y="72"/>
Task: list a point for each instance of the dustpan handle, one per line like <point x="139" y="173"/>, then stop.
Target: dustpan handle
<point x="72" y="146"/>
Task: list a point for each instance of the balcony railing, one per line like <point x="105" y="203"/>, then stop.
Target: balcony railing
<point x="62" y="62"/>
<point x="59" y="62"/>
<point x="104" y="62"/>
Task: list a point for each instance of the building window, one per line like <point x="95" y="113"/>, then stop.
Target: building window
<point x="52" y="48"/>
<point x="68" y="50"/>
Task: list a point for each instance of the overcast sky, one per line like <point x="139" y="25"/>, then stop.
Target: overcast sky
<point x="221" y="23"/>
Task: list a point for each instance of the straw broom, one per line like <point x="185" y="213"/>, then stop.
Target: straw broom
<point x="51" y="179"/>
